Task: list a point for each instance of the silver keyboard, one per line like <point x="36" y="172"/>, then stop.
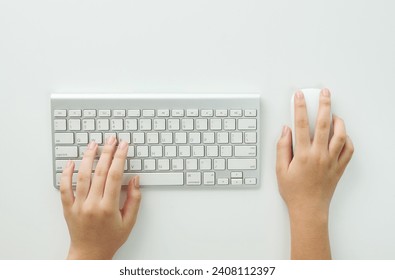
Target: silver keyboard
<point x="174" y="139"/>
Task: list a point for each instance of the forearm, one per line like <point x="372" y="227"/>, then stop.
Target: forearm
<point x="309" y="236"/>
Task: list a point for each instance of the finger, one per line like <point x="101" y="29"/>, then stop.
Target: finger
<point x="346" y="154"/>
<point x="284" y="151"/>
<point x="302" y="132"/>
<point x="323" y="123"/>
<point x="132" y="203"/>
<point x="66" y="188"/>
<point x="100" y="176"/>
<point x="338" y="139"/>
<point x="112" y="188"/>
<point x="85" y="173"/>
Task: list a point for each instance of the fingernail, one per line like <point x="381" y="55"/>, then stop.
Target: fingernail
<point x="326" y="92"/>
<point x="68" y="163"/>
<point x="299" y="95"/>
<point x="122" y="145"/>
<point x="91" y="145"/>
<point x="284" y="131"/>
<point x="111" y="140"/>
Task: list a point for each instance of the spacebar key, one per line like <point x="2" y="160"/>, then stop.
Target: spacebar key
<point x="156" y="179"/>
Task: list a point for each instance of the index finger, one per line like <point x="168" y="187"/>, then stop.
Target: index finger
<point x="113" y="185"/>
<point x="302" y="131"/>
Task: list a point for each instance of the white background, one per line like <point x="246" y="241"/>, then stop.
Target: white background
<point x="273" y="47"/>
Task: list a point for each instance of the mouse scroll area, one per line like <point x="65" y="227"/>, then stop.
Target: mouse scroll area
<point x="312" y="98"/>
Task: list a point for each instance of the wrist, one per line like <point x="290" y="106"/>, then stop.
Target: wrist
<point x="81" y="254"/>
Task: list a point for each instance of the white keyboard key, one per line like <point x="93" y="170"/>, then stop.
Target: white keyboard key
<point x="133" y="113"/>
<point x="66" y="151"/>
<point x="156" y="151"/>
<point x="194" y="138"/>
<point x="206" y="113"/>
<point x="130" y="151"/>
<point x="89" y="113"/>
<point x="166" y="138"/>
<point x="177" y="164"/>
<point x="222" y="181"/>
<point x="156" y="179"/>
<point x="135" y="164"/>
<point x="204" y="164"/>
<point x="88" y="124"/>
<point x="229" y="124"/>
<point x="241" y="164"/>
<point x="97" y="137"/>
<point x="59" y="113"/>
<point x="226" y="151"/>
<point x="149" y="164"/>
<point x="61" y="164"/>
<point x="221" y="113"/>
<point x="245" y="124"/>
<point x="222" y="138"/>
<point x="75" y="113"/>
<point x="74" y="124"/>
<point x="124" y="136"/>
<point x="159" y="124"/>
<point x="163" y="164"/>
<point x="201" y="124"/>
<point x="236" y="137"/>
<point x="177" y="113"/>
<point x="250" y="137"/>
<point x="138" y="138"/>
<point x="249" y="113"/>
<point x="212" y="151"/>
<point x="64" y="138"/>
<point x="245" y="151"/>
<point x="81" y="138"/>
<point x="170" y="151"/>
<point x="142" y="151"/>
<point x="193" y="178"/>
<point x="192" y="112"/>
<point x="73" y="180"/>
<point x="209" y="178"/>
<point x="180" y="138"/>
<point x="59" y="125"/>
<point x="187" y="124"/>
<point x="250" y="181"/>
<point x="119" y="113"/>
<point x="145" y="124"/>
<point x="104" y="113"/>
<point x="191" y="164"/>
<point x="198" y="151"/>
<point x="82" y="150"/>
<point x="163" y="112"/>
<point x="110" y="134"/>
<point x="236" y="181"/>
<point x="219" y="164"/>
<point x="208" y="137"/>
<point x="152" y="137"/>
<point x="103" y="124"/>
<point x="184" y="151"/>
<point x="215" y="124"/>
<point x="149" y="113"/>
<point x="131" y="124"/>
<point x="173" y="124"/>
<point x="235" y="113"/>
<point x="236" y="174"/>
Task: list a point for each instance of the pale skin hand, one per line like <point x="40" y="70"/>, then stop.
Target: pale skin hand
<point x="96" y="225"/>
<point x="307" y="179"/>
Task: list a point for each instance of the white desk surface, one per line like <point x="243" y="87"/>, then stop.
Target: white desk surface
<point x="273" y="47"/>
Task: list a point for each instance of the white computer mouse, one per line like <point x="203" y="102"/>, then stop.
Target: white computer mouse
<point x="312" y="97"/>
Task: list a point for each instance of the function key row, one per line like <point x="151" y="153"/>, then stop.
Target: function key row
<point x="158" y="113"/>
